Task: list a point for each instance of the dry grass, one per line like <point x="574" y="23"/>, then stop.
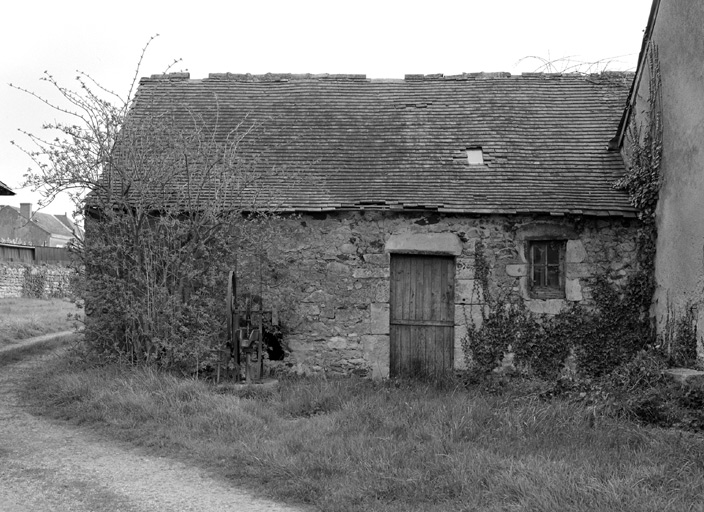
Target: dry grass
<point x="25" y="318"/>
<point x="350" y="445"/>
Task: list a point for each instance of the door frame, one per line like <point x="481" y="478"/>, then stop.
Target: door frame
<point x="428" y="244"/>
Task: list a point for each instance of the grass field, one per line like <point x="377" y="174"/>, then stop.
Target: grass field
<point x="351" y="445"/>
<point x="25" y="318"/>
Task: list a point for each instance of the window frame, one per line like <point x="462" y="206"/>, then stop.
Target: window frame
<point x="545" y="290"/>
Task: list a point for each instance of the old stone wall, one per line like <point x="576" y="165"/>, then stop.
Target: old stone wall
<point x="328" y="276"/>
<point x="41" y="281"/>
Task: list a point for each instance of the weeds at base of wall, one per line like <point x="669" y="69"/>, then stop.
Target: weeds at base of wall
<point x="599" y="337"/>
<point x="603" y="355"/>
<point x="678" y="342"/>
<point x="640" y="391"/>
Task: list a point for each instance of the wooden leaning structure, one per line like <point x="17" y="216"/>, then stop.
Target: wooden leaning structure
<point x="244" y="347"/>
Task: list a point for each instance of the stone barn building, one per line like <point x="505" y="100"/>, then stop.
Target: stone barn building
<point x="401" y="188"/>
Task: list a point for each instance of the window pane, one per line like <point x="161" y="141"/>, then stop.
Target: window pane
<point x="538" y="254"/>
<point x="554" y="253"/>
<point x="538" y="275"/>
<point x="553" y="277"/>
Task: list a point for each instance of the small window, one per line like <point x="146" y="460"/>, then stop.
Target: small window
<point x="475" y="156"/>
<point x="547" y="275"/>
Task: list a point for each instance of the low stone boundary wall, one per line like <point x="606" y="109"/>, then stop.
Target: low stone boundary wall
<point x="36" y="281"/>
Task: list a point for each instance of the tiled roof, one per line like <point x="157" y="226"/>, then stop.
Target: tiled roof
<point x="401" y="144"/>
<point x="5" y="190"/>
<point x="75" y="229"/>
<point x="49" y="223"/>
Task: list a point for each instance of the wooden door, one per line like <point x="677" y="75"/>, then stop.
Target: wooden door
<point x="421" y="315"/>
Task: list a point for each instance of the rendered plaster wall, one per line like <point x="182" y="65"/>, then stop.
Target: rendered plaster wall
<point x="679" y="266"/>
<point x="14" y="280"/>
<point x="14" y="227"/>
<point x="328" y="277"/>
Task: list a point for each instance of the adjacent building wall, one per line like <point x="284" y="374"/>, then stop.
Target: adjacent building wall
<point x="329" y="276"/>
<point x="14" y="227"/>
<point x="677" y="31"/>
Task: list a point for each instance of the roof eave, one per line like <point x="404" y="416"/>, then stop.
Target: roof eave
<point x="626" y="213"/>
<point x="617" y="142"/>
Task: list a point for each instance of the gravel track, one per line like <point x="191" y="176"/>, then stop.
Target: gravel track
<point x="49" y="466"/>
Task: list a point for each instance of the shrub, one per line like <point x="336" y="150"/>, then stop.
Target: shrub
<point x="169" y="206"/>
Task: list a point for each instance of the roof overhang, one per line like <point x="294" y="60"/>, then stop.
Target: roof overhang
<point x="617" y="142"/>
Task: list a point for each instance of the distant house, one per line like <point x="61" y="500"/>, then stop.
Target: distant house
<point x="21" y="225"/>
<point x="673" y="47"/>
<point x="5" y="190"/>
<point x="424" y="193"/>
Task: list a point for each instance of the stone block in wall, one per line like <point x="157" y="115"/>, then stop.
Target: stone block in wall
<point x="380" y="260"/>
<point x="318" y="330"/>
<point x="617" y="265"/>
<point x="379" y="318"/>
<point x="308" y="310"/>
<point x="370" y="273"/>
<point x="425" y="243"/>
<point x="578" y="270"/>
<point x="381" y="291"/>
<point x="335" y="267"/>
<point x="573" y="290"/>
<point x="318" y="297"/>
<point x="546" y="307"/>
<point x="376" y="354"/>
<point x="469" y="247"/>
<point x="348" y="249"/>
<point x="468" y="291"/>
<point x="469" y="314"/>
<point x="626" y="247"/>
<point x="518" y="270"/>
<point x="575" y="252"/>
<point x="460" y="335"/>
<point x="465" y="268"/>
<point x="337" y="343"/>
<point x="459" y="360"/>
<point x="506" y="253"/>
<point x="300" y="344"/>
<point x="347" y="316"/>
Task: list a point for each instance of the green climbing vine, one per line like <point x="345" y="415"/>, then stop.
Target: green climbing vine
<point x="642" y="179"/>
<point x="601" y="336"/>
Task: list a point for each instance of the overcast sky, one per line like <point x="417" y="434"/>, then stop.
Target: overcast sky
<point x="379" y="38"/>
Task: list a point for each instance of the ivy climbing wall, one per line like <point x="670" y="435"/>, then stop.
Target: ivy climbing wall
<point x="663" y="153"/>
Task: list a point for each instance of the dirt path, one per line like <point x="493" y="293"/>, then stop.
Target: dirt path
<point x="45" y="465"/>
<point x="37" y="340"/>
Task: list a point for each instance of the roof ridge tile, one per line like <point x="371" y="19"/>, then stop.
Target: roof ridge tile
<point x="283" y="77"/>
